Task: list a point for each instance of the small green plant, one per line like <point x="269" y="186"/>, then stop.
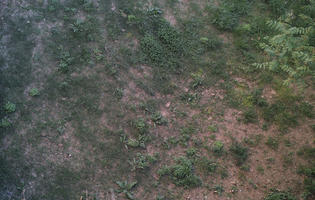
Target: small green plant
<point x="218" y="189"/>
<point x="125" y="187"/>
<point x="217" y="148"/>
<point x="182" y="173"/>
<point x="142" y="161"/>
<point x="213" y="128"/>
<point x="34" y="92"/>
<point x="158" y="119"/>
<point x="5" y="123"/>
<point x="272" y="143"/>
<point x="65" y="60"/>
<point x="239" y="152"/>
<point x="209" y="166"/>
<point x="197" y="80"/>
<point x="132" y="142"/>
<point x="191" y="152"/>
<point x="9" y="107"/>
<point x="141" y="126"/>
<point x="119" y="93"/>
<point x="189" y="98"/>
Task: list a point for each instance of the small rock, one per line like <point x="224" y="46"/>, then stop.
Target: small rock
<point x="168" y="104"/>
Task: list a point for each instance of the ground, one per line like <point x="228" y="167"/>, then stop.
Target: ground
<point x="124" y="91"/>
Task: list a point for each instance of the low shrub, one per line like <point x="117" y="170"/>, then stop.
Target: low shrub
<point x="182" y="173"/>
<point x="9" y="107"/>
<point x="218" y="148"/>
<point x="239" y="152"/>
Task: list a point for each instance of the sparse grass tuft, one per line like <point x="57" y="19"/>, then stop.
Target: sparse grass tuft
<point x="239" y="152"/>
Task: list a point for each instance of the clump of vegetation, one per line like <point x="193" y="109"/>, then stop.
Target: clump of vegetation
<point x="142" y="161"/>
<point x="191" y="152"/>
<point x="119" y="93"/>
<point x="197" y="80"/>
<point x="250" y="116"/>
<point x="218" y="148"/>
<point x="141" y="126"/>
<point x="307" y="151"/>
<point x="125" y="187"/>
<point x="189" y="98"/>
<point x="226" y="16"/>
<point x="9" y="107"/>
<point x="272" y="143"/>
<point x="277" y="195"/>
<point x="309" y="180"/>
<point x="158" y="119"/>
<point x="213" y="128"/>
<point x="34" y="92"/>
<point x="209" y="166"/>
<point x="5" y="123"/>
<point x="239" y="152"/>
<point x="289" y="52"/>
<point x="65" y="60"/>
<point x="182" y="173"/>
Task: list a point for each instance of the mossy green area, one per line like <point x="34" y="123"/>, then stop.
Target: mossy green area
<point x="157" y="99"/>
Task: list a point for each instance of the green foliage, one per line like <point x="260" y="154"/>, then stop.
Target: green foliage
<point x="211" y="43"/>
<point x="142" y="161"/>
<point x="250" y="116"/>
<point x="307" y="151"/>
<point x="119" y="93"/>
<point x="306" y="109"/>
<point x="65" y="60"/>
<point x="84" y="30"/>
<point x="5" y="123"/>
<point x="288" y="51"/>
<point x="217" y="148"/>
<point x="272" y="143"/>
<point x="218" y="189"/>
<point x="239" y="152"/>
<point x="9" y="107"/>
<point x="191" y="152"/>
<point x="278" y="7"/>
<point x="125" y="187"/>
<point x="277" y="195"/>
<point x="309" y="180"/>
<point x="197" y="80"/>
<point x="171" y="38"/>
<point x="139" y="142"/>
<point x="257" y="98"/>
<point x="286" y="109"/>
<point x="132" y="142"/>
<point x="141" y="126"/>
<point x="34" y="92"/>
<point x="209" y="166"/>
<point x="182" y="173"/>
<point x="226" y="15"/>
<point x="189" y="98"/>
<point x="152" y="48"/>
<point x="158" y="119"/>
<point x="213" y="128"/>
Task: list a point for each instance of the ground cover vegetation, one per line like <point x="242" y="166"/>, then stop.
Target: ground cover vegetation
<point x="171" y="99"/>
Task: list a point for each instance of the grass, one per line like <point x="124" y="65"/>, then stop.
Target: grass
<point x="239" y="152"/>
